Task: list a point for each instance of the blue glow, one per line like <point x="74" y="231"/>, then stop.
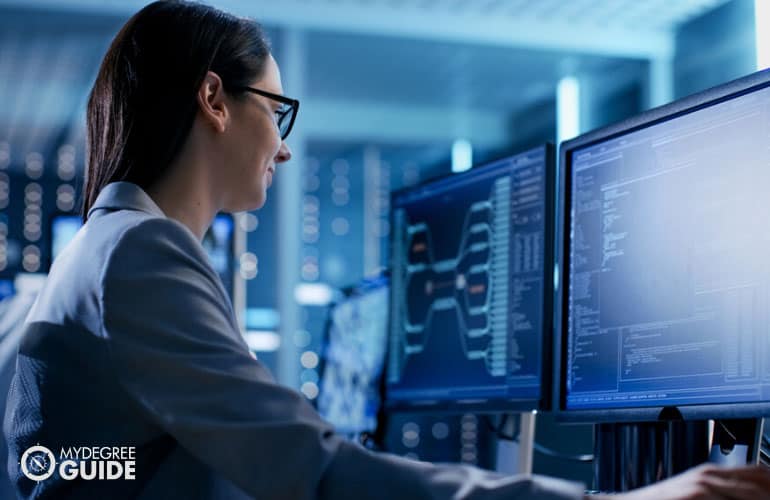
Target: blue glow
<point x="6" y="289"/>
<point x="568" y="109"/>
<point x="262" y="341"/>
<point x="64" y="228"/>
<point x="762" y="30"/>
<point x="462" y="155"/>
<point x="262" y="318"/>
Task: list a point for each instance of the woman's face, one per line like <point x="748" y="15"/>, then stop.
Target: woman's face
<point x="254" y="145"/>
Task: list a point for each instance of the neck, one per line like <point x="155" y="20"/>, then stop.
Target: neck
<point x="185" y="195"/>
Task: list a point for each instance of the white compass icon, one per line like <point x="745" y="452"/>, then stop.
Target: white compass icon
<point x="38" y="463"/>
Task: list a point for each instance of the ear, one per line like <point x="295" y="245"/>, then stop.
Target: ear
<point x="212" y="102"/>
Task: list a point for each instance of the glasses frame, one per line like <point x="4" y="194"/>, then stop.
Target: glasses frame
<point x="294" y="103"/>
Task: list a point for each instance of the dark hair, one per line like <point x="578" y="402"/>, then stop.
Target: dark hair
<point x="143" y="103"/>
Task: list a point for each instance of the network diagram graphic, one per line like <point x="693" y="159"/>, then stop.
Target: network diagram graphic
<point x="473" y="283"/>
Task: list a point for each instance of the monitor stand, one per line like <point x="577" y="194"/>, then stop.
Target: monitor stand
<point x="629" y="456"/>
<point x="515" y="457"/>
<point x="736" y="442"/>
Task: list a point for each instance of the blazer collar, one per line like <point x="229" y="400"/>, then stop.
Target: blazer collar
<point x="125" y="196"/>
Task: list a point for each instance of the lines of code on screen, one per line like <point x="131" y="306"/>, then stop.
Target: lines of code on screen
<point x="669" y="269"/>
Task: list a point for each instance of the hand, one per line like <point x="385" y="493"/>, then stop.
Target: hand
<point x="708" y="482"/>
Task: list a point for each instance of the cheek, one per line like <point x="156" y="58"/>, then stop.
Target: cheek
<point x="255" y="145"/>
<point x="251" y="153"/>
<point x="272" y="144"/>
<point x="269" y="138"/>
<point x="266" y="144"/>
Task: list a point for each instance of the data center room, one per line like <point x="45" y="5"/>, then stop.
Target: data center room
<point x="522" y="235"/>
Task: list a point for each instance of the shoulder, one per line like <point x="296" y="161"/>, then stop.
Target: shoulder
<point x="157" y="271"/>
<point x="147" y="241"/>
<point x="155" y="251"/>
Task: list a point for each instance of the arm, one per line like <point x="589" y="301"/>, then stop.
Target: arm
<point x="705" y="482"/>
<point x="177" y="350"/>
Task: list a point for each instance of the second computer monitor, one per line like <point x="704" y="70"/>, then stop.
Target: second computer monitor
<point x="666" y="282"/>
<point x="353" y="358"/>
<point x="471" y="287"/>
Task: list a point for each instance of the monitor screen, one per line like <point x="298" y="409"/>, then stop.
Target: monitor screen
<point x="218" y="242"/>
<point x="471" y="287"/>
<point x="6" y="289"/>
<point x="354" y="356"/>
<point x="63" y="229"/>
<point x="667" y="276"/>
<point x="220" y="247"/>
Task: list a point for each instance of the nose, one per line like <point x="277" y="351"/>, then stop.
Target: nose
<point x="284" y="153"/>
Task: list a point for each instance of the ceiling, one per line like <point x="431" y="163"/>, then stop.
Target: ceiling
<point x="414" y="58"/>
<point x="640" y="15"/>
<point x="429" y="73"/>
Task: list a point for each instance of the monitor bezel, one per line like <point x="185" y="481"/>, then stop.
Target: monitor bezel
<point x="681" y="107"/>
<point x="495" y="405"/>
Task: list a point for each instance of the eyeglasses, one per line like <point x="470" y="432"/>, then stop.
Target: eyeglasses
<point x="285" y="115"/>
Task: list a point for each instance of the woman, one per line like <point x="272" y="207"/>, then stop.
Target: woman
<point x="133" y="343"/>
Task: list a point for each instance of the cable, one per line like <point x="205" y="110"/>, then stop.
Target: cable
<point x="498" y="428"/>
<point x="544" y="450"/>
<point x="727" y="431"/>
<point x="587" y="458"/>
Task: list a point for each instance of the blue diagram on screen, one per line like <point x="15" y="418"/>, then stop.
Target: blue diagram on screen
<point x="467" y="278"/>
<point x="669" y="269"/>
<point x="354" y="356"/>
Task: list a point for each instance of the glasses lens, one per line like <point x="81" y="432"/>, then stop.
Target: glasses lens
<point x="285" y="118"/>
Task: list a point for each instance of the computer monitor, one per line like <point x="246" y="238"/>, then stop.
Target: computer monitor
<point x="63" y="229"/>
<point x="6" y="289"/>
<point x="218" y="242"/>
<point x="664" y="259"/>
<point x="353" y="359"/>
<point x="471" y="289"/>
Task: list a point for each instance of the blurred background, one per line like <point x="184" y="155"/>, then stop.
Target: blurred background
<point x="393" y="92"/>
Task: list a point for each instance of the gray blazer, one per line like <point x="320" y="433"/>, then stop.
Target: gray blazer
<point x="133" y="342"/>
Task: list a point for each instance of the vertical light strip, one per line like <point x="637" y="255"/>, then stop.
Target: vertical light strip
<point x="567" y="127"/>
<point x="567" y="109"/>
<point x="288" y="194"/>
<point x="462" y="155"/>
<point x="661" y="82"/>
<point x="239" y="283"/>
<point x="372" y="180"/>
<point x="762" y="30"/>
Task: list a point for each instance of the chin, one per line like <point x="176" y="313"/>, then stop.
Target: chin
<point x="254" y="203"/>
<point x="247" y="202"/>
